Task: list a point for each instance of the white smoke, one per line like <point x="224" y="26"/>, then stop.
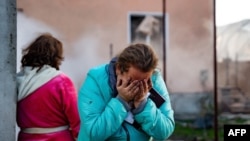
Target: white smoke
<point x="83" y="56"/>
<point x="27" y="30"/>
<point x="80" y="55"/>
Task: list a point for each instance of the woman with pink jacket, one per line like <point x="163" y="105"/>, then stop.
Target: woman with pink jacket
<point x="47" y="99"/>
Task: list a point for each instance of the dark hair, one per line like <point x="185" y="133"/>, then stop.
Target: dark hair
<point x="140" y="56"/>
<point x="44" y="50"/>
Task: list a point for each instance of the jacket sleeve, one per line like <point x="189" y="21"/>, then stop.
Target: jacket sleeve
<point x="101" y="115"/>
<point x="69" y="98"/>
<point x="157" y="122"/>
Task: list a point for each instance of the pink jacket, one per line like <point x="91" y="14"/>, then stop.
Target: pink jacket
<point x="51" y="105"/>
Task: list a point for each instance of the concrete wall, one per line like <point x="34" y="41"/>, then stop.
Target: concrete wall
<point x="190" y="50"/>
<point x="87" y="29"/>
<point x="7" y="70"/>
<point x="190" y="106"/>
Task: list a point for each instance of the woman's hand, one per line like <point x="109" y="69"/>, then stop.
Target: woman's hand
<point x="126" y="88"/>
<point x="144" y="87"/>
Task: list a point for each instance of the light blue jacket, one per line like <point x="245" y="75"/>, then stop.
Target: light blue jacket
<point x="102" y="114"/>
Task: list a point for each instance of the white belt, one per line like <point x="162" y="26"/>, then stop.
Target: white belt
<point x="44" y="130"/>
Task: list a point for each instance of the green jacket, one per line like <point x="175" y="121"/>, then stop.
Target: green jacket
<point x="102" y="114"/>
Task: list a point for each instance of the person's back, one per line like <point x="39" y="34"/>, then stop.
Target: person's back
<point x="47" y="99"/>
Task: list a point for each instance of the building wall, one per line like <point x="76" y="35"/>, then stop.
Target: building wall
<point x="88" y="28"/>
<point x="190" y="52"/>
